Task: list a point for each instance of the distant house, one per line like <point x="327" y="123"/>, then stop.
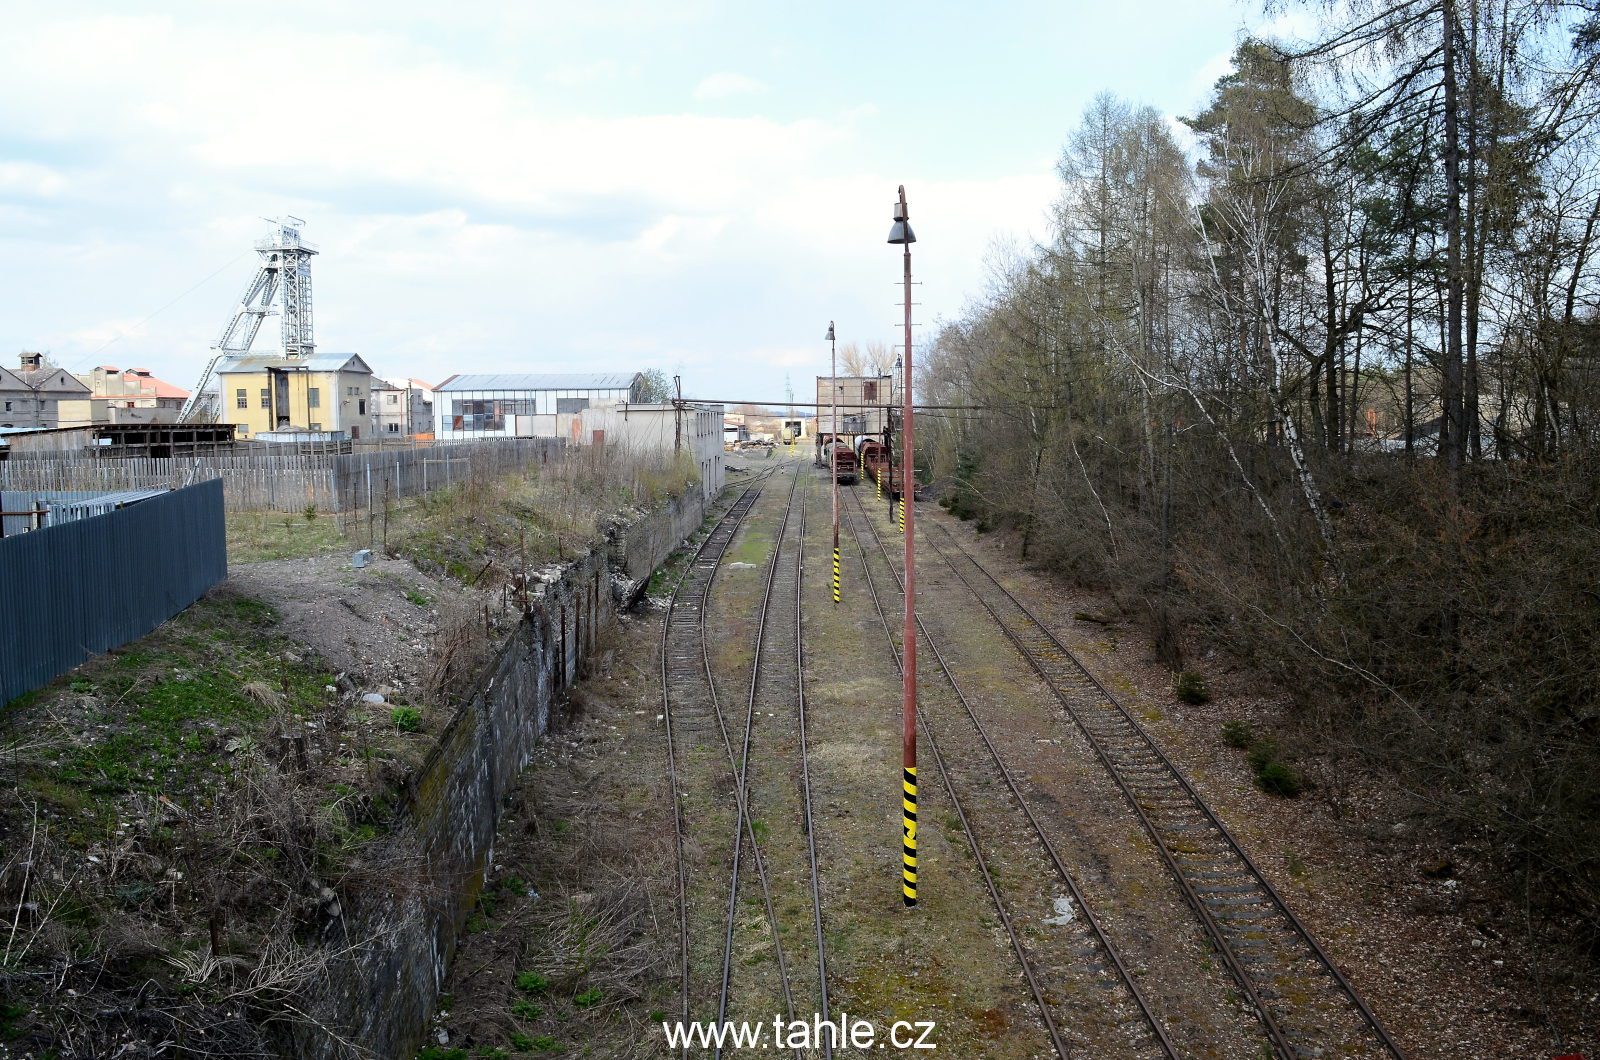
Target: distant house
<point x="130" y="395"/>
<point x="38" y="394"/>
<point x="390" y="410"/>
<point x="325" y="392"/>
<point x="692" y="429"/>
<point x="524" y="406"/>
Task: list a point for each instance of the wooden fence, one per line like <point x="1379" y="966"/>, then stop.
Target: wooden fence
<point x="288" y="482"/>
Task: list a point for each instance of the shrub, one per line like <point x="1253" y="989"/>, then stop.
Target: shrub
<point x="1190" y="687"/>
<point x="406" y="719"/>
<point x="589" y="998"/>
<point x="311" y="513"/>
<point x="1275" y="778"/>
<point x="519" y="1041"/>
<point x="1238" y="734"/>
<point x="522" y="1008"/>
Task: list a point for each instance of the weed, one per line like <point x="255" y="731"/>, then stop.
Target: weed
<point x="761" y="830"/>
<point x="1238" y="734"/>
<point x="311" y="513"/>
<point x="544" y="1042"/>
<point x="417" y="598"/>
<point x="589" y="998"/>
<point x="1272" y="775"/>
<point x="406" y="719"/>
<point x="1296" y="865"/>
<point x="561" y="827"/>
<point x="82" y="684"/>
<point x="439" y="1052"/>
<point x="1190" y="687"/>
<point x="519" y="1041"/>
<point x="522" y="1008"/>
<point x="531" y="982"/>
<point x="1276" y="778"/>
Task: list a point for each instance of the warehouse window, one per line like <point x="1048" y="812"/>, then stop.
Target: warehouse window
<point x="361" y="408"/>
<point x="869" y="391"/>
<point x="266" y="398"/>
<point x="313" y="397"/>
<point x="571" y="405"/>
<point x="241" y="398"/>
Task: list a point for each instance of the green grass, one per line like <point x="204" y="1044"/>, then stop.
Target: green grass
<point x="417" y="598"/>
<point x="257" y="536"/>
<point x="406" y="719"/>
<point x="156" y="718"/>
<point x="589" y="998"/>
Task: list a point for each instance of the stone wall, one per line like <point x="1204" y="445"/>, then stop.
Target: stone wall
<point x="395" y="944"/>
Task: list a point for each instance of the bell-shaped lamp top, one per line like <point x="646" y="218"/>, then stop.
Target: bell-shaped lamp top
<point x="901" y="233"/>
<point x="829" y="335"/>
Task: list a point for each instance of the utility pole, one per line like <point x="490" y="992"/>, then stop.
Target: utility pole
<point x="901" y="235"/>
<point x="833" y="453"/>
<point x="677" y="414"/>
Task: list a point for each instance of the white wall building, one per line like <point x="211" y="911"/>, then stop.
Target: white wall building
<point x="508" y="405"/>
<point x="691" y="428"/>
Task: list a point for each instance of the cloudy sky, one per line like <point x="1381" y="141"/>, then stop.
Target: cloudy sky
<point x="697" y="185"/>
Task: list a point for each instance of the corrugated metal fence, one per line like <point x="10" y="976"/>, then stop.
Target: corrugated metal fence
<point x="21" y="510"/>
<point x="70" y="591"/>
<point x="287" y="482"/>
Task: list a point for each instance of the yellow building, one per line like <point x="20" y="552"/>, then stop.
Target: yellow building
<point x="322" y="392"/>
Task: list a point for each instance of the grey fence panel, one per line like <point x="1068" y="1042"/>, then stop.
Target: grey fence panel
<point x="70" y="591"/>
<point x="290" y="482"/>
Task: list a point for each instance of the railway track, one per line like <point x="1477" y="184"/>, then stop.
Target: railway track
<point x="690" y="710"/>
<point x="776" y="687"/>
<point x="1074" y="970"/>
<point x="1305" y="1004"/>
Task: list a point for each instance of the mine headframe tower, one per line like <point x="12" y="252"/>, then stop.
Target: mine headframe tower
<point x="284" y="276"/>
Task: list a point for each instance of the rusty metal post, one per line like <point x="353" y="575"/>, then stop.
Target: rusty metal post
<point x="908" y="641"/>
<point x="833" y="458"/>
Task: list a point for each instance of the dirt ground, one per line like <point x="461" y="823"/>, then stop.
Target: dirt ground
<point x="575" y="951"/>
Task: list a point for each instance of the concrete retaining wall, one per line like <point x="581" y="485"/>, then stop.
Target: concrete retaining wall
<point x="382" y="992"/>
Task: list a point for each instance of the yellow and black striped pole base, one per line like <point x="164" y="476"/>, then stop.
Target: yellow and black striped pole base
<point x="877" y="480"/>
<point x="900" y="512"/>
<point x="908" y="822"/>
<point x="836" y="596"/>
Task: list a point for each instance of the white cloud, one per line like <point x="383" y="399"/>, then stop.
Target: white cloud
<point x="465" y="217"/>
<point x="726" y="86"/>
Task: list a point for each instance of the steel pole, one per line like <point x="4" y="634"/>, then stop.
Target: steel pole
<point x="833" y="459"/>
<point x="908" y="641"/>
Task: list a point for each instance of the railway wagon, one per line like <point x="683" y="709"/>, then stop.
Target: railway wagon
<point x="844" y="462"/>
<point x="874" y="457"/>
